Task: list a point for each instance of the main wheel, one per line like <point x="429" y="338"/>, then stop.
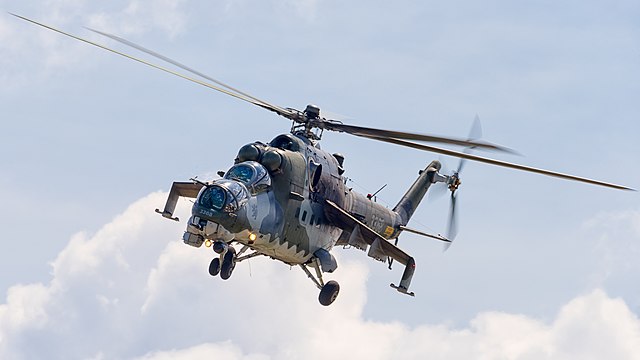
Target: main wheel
<point x="214" y="266"/>
<point x="329" y="293"/>
<point x="228" y="264"/>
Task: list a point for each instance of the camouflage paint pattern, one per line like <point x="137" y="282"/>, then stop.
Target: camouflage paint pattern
<point x="289" y="220"/>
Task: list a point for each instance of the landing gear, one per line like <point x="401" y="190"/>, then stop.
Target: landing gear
<point x="214" y="267"/>
<point x="329" y="293"/>
<point x="225" y="263"/>
<point x="228" y="264"/>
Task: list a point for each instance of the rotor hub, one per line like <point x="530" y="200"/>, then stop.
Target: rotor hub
<point x="454" y="182"/>
<point x="312" y="112"/>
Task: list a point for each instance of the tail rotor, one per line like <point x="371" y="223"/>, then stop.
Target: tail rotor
<point x="452" y="228"/>
<point x="454" y="182"/>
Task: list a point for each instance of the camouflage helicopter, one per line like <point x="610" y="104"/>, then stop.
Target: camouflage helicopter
<point x="288" y="199"/>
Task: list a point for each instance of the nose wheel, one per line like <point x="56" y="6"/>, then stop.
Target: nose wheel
<point x="224" y="264"/>
<point x="214" y="267"/>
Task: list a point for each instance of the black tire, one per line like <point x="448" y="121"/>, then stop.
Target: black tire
<point x="329" y="293"/>
<point x="228" y="264"/>
<point x="214" y="267"/>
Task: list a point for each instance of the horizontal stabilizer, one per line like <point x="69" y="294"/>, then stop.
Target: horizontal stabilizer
<point x="382" y="246"/>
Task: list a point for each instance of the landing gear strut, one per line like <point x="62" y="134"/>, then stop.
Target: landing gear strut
<point x="329" y="291"/>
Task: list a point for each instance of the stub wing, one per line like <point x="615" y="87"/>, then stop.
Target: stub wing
<point x="185" y="189"/>
<point x="379" y="247"/>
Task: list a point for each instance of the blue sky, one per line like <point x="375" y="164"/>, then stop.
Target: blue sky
<point x="86" y="134"/>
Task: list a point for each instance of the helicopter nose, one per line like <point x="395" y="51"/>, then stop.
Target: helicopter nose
<point x="222" y="202"/>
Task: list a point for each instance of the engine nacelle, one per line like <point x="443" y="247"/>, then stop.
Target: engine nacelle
<point x="272" y="160"/>
<point x="249" y="152"/>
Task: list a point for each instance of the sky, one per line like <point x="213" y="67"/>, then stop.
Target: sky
<point x="90" y="142"/>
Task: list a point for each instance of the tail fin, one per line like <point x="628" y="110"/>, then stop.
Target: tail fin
<point x="410" y="201"/>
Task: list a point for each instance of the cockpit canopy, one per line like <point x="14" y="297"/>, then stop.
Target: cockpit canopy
<point x="224" y="195"/>
<point x="287" y="142"/>
<point x="252" y="174"/>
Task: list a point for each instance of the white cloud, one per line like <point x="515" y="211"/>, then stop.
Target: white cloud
<point x="133" y="290"/>
<point x="26" y="303"/>
<point x="225" y="350"/>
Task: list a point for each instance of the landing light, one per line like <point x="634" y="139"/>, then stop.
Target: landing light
<point x="252" y="236"/>
<point x="207" y="243"/>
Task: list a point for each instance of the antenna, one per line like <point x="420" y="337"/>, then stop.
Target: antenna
<point x="370" y="196"/>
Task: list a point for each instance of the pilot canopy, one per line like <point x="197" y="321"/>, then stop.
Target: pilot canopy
<point x="252" y="174"/>
<point x="224" y="195"/>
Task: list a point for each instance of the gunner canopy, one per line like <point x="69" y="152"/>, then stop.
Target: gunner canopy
<point x="224" y="195"/>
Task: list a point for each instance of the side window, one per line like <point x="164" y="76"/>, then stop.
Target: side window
<point x="304" y="216"/>
<point x="297" y="213"/>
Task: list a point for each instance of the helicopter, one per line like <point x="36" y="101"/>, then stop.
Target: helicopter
<point x="288" y="199"/>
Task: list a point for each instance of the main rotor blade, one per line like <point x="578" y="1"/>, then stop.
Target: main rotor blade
<point x="380" y="133"/>
<point x="498" y="162"/>
<point x="205" y="84"/>
<point x="277" y="109"/>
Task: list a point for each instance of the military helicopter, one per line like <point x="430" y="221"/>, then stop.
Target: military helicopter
<point x="288" y="199"/>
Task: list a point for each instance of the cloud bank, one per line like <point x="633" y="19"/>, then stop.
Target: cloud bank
<point x="132" y="290"/>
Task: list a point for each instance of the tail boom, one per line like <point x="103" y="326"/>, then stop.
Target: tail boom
<point x="412" y="198"/>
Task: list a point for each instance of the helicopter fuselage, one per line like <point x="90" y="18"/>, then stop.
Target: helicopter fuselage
<point x="288" y="220"/>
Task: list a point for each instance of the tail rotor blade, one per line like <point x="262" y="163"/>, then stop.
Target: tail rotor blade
<point x="475" y="133"/>
<point x="461" y="163"/>
<point x="452" y="229"/>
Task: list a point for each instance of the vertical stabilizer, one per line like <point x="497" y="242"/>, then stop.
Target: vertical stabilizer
<point x="410" y="201"/>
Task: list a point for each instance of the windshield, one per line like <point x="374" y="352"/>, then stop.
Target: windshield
<point x="224" y="195"/>
<point x="252" y="174"/>
<point x="213" y="198"/>
<point x="241" y="172"/>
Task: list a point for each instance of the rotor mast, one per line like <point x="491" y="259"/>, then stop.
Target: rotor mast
<point x="308" y="125"/>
